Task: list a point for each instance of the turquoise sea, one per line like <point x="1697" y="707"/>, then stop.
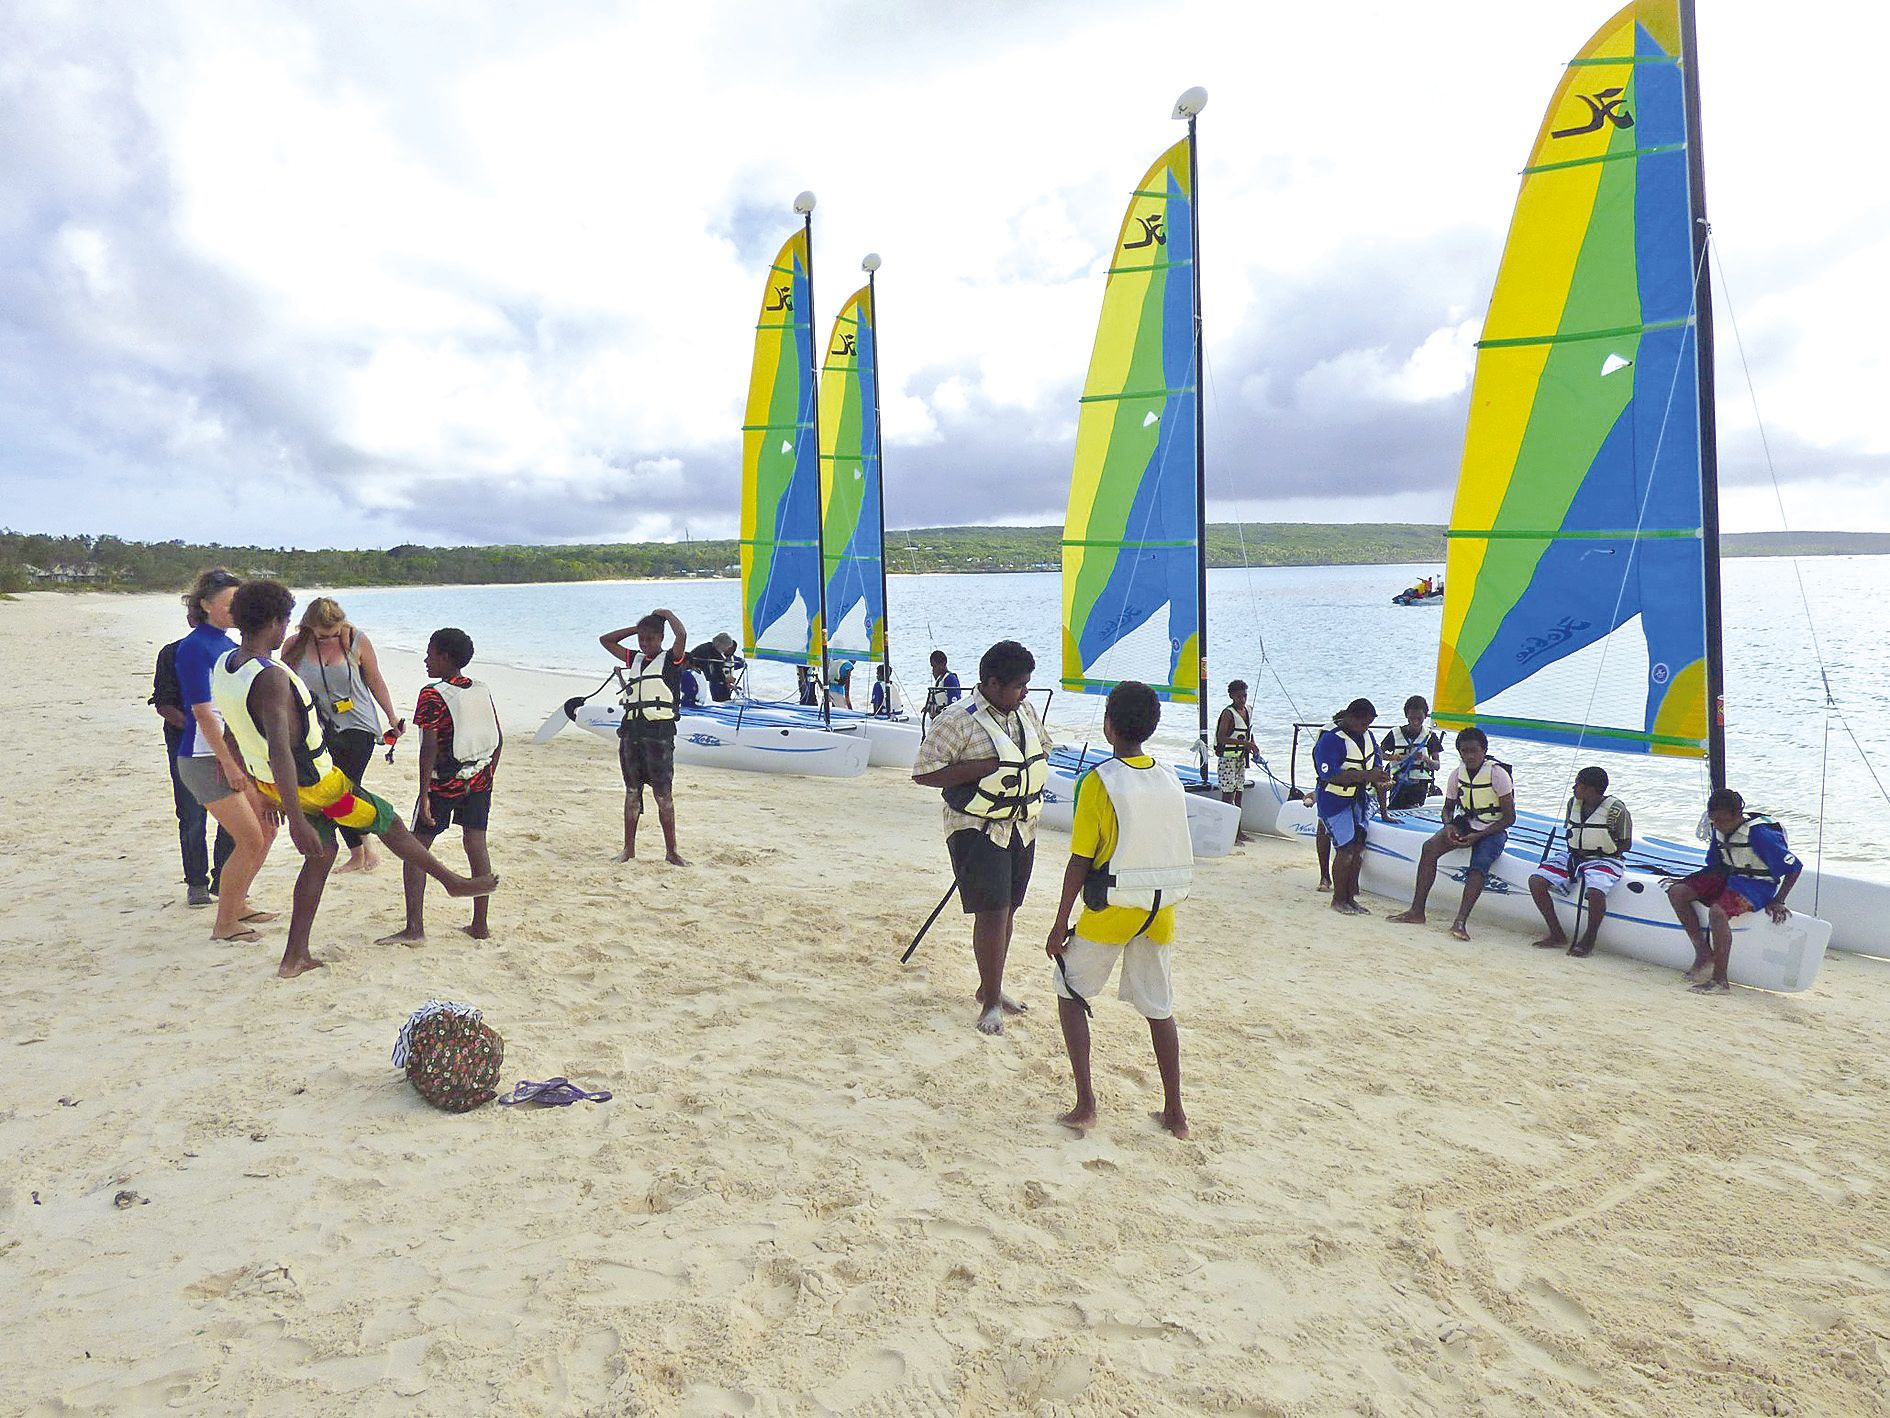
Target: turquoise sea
<point x="1308" y="639"/>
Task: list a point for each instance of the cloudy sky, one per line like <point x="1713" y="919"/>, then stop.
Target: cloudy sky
<point x="358" y="273"/>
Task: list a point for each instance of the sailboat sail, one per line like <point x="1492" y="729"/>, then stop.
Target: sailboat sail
<point x="1131" y="541"/>
<point x="1575" y="606"/>
<point x="780" y="546"/>
<point x="850" y="483"/>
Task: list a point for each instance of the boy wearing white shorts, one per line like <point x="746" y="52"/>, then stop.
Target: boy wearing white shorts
<point x="1587" y="860"/>
<point x="1131" y="861"/>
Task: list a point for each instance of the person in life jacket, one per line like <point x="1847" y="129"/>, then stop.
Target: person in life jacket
<point x="1412" y="752"/>
<point x="1749" y="867"/>
<point x="1233" y="744"/>
<point x="943" y="692"/>
<point x="1479" y="810"/>
<point x="888" y="702"/>
<point x="840" y="685"/>
<point x="1345" y="757"/>
<point x="271" y="715"/>
<point x="1589" y="860"/>
<point x="460" y="744"/>
<point x="989" y="757"/>
<point x="646" y="739"/>
<point x="1131" y="863"/>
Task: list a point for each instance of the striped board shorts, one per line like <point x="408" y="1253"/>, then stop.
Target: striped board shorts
<point x="1601" y="874"/>
<point x="337" y="802"/>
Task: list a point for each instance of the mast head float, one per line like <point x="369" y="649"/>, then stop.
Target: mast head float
<point x="870" y="262"/>
<point x="1191" y="102"/>
<point x="804" y="203"/>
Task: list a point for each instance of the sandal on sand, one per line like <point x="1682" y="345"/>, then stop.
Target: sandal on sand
<point x="552" y="1093"/>
<point x="242" y="937"/>
<point x="259" y="918"/>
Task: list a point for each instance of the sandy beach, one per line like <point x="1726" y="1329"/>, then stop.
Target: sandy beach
<point x="1426" y="1177"/>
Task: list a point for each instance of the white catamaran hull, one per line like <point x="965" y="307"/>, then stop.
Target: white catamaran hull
<point x="705" y="741"/>
<point x="1640" y="924"/>
<point x="892" y="743"/>
<point x="1212" y="824"/>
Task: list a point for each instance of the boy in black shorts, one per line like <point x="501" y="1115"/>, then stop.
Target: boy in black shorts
<point x="460" y="743"/>
<point x="646" y="740"/>
<point x="989" y="755"/>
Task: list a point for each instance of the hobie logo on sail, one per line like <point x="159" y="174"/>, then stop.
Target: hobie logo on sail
<point x="1152" y="233"/>
<point x="1564" y="630"/>
<point x="845" y="347"/>
<point x="1607" y="106"/>
<point x="783" y="298"/>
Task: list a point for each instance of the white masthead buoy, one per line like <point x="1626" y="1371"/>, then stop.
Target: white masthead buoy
<point x="871" y="261"/>
<point x="804" y="203"/>
<point x="1191" y="102"/>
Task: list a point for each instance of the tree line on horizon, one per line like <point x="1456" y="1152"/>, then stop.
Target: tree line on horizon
<point x="38" y="561"/>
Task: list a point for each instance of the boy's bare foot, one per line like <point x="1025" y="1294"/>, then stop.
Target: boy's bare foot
<point x="403" y="936"/>
<point x="474" y="886"/>
<point x="355" y="862"/>
<point x="1407" y="918"/>
<point x="1081" y="1118"/>
<point x="1012" y="1006"/>
<point x="674" y="859"/>
<point x="1698" y="970"/>
<point x="1324" y="886"/>
<point x="477" y="930"/>
<point x="242" y="937"/>
<point x="1712" y="987"/>
<point x="1175" y="1122"/>
<point x="992" y="1020"/>
<point x="1458" y="932"/>
<point x="289" y="969"/>
<point x="1550" y="942"/>
<point x="628" y="854"/>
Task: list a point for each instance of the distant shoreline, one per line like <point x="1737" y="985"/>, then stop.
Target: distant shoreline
<point x="31" y="562"/>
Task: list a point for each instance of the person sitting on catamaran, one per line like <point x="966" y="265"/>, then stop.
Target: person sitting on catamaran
<point x="1346" y="760"/>
<point x="1749" y="867"/>
<point x="944" y="691"/>
<point x="990" y="759"/>
<point x="720" y="665"/>
<point x="1589" y="861"/>
<point x="1412" y="752"/>
<point x="1479" y="810"/>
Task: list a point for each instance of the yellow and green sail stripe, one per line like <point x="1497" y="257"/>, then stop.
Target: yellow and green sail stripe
<point x="850" y="483"/>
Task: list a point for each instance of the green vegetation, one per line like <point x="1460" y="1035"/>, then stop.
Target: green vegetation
<point x="35" y="562"/>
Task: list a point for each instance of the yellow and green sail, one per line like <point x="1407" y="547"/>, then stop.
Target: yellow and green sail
<point x="850" y="483"/>
<point x="1575" y="601"/>
<point x="1131" y="541"/>
<point x="780" y="545"/>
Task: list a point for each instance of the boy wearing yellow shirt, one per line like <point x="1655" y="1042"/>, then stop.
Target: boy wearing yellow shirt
<point x="1131" y="862"/>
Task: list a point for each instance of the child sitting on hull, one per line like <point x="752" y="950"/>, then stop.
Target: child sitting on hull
<point x="271" y="715"/>
<point x="460" y="744"/>
<point x="1588" y="862"/>
<point x="989" y="757"/>
<point x="1346" y="760"/>
<point x="1132" y="863"/>
<point x="1479" y="810"/>
<point x="1412" y="752"/>
<point x="1749" y="867"/>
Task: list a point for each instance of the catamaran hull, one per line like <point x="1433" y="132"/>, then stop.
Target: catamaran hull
<point x="1212" y="824"/>
<point x="1640" y="924"/>
<point x="892" y="743"/>
<point x="703" y="741"/>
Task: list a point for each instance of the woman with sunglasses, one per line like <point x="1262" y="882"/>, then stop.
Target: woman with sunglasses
<point x="338" y="664"/>
<point x="206" y="763"/>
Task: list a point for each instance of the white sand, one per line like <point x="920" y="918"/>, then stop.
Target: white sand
<point x="1427" y="1178"/>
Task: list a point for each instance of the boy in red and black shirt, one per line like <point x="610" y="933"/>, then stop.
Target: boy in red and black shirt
<point x="460" y="744"/>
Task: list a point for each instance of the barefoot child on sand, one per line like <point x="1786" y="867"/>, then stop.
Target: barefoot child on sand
<point x="1131" y="861"/>
<point x="1479" y="810"/>
<point x="1749" y="867"/>
<point x="1346" y="760"/>
<point x="271" y="715"/>
<point x="460" y="744"/>
<point x="989" y="755"/>
<point x="646" y="740"/>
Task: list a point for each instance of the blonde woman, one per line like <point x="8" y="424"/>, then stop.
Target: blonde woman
<point x="338" y="664"/>
<point x="209" y="767"/>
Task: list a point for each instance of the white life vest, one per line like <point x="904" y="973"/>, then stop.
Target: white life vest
<point x="1735" y="847"/>
<point x="1477" y="797"/>
<point x="1242" y="735"/>
<point x="1153" y="862"/>
<point x="893" y="702"/>
<point x="1591" y="836"/>
<point x="1404" y="746"/>
<point x="1359" y="756"/>
<point x="476" y="733"/>
<point x="1013" y="792"/>
<point x="648" y="698"/>
<point x="229" y="691"/>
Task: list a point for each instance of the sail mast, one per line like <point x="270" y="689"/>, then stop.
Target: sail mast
<point x="1709" y="436"/>
<point x="804" y="204"/>
<point x="870" y="264"/>
<point x="1189" y="106"/>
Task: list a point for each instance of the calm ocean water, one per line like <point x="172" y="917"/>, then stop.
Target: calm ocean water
<point x="1329" y="633"/>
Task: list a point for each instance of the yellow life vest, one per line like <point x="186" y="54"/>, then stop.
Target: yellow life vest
<point x="1013" y="792"/>
<point x="1477" y="797"/>
<point x="229" y="690"/>
<point x="1735" y="847"/>
<point x="1358" y="756"/>
<point x="1403" y="746"/>
<point x="648" y="698"/>
<point x="1242" y="736"/>
<point x="1592" y="836"/>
